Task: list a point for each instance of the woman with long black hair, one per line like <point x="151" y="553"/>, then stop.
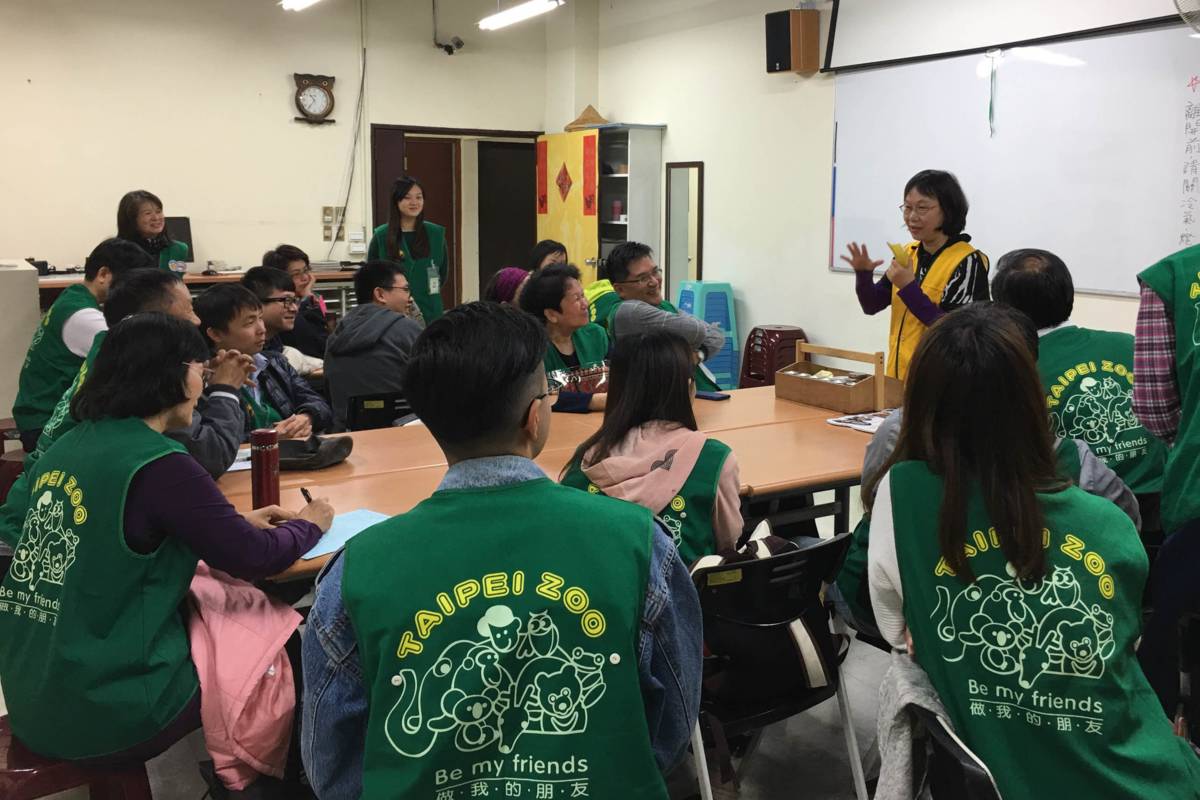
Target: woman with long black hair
<point x="648" y="450"/>
<point x="420" y="245"/>
<point x="1019" y="592"/>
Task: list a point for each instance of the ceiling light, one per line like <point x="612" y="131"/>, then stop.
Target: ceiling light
<point x="297" y="5"/>
<point x="518" y="13"/>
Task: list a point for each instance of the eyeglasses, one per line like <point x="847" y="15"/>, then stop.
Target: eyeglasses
<point x="284" y="301"/>
<point x="394" y="287"/>
<point x="916" y="212"/>
<point x="206" y="372"/>
<point x="645" y="278"/>
<point x="528" y="408"/>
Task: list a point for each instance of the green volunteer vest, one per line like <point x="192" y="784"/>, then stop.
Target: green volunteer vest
<point x="261" y="413"/>
<point x="95" y="656"/>
<point x="1088" y="379"/>
<point x="688" y="517"/>
<point x="852" y="579"/>
<point x="417" y="270"/>
<point x="61" y="420"/>
<point x="591" y="345"/>
<point x="1176" y="279"/>
<point x="49" y="366"/>
<point x="1040" y="677"/>
<point x="175" y="251"/>
<point x="703" y="382"/>
<point x="12" y="513"/>
<point x="503" y="662"/>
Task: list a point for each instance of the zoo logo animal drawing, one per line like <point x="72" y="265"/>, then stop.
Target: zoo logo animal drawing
<point x="1098" y="414"/>
<point x="1026" y="629"/>
<point x="46" y="549"/>
<point x="515" y="680"/>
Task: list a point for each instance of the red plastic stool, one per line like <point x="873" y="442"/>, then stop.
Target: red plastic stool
<point x="11" y="464"/>
<point x="769" y="348"/>
<point x="24" y="776"/>
<point x="8" y="429"/>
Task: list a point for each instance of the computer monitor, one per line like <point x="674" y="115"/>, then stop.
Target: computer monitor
<point x="180" y="229"/>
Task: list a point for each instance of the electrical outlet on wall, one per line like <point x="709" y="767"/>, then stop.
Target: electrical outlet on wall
<point x="331" y="217"/>
<point x="358" y="242"/>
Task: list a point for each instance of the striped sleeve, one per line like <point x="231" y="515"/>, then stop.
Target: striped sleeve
<point x="968" y="284"/>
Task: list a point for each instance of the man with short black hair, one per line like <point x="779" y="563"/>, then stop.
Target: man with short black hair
<point x="231" y="317"/>
<point x="635" y="305"/>
<point x="506" y="620"/>
<point x="367" y="352"/>
<point x="309" y="333"/>
<point x="64" y="336"/>
<point x="277" y="293"/>
<point x="1087" y="374"/>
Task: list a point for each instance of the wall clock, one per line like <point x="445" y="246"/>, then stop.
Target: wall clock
<point x="314" y="98"/>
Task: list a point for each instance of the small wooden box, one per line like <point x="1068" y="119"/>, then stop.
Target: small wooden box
<point x="874" y="393"/>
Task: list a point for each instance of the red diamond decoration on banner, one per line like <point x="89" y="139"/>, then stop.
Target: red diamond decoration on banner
<point x="564" y="182"/>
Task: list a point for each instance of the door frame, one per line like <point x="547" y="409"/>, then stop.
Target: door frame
<point x="699" y="165"/>
<point x="455" y="135"/>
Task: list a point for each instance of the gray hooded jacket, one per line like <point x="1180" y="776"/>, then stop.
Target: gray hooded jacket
<point x="367" y="353"/>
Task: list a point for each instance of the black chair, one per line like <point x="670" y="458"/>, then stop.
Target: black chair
<point x="366" y="412"/>
<point x="952" y="771"/>
<point x="771" y="654"/>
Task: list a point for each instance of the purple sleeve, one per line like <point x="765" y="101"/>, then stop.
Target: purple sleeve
<point x="920" y="305"/>
<point x="873" y="297"/>
<point x="175" y="496"/>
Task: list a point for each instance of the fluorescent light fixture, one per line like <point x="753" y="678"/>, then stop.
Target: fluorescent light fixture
<point x="518" y="13"/>
<point x="297" y="5"/>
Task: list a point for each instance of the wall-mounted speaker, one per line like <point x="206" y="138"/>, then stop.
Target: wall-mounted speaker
<point x="793" y="41"/>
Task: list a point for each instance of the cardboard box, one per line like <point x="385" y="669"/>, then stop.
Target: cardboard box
<point x="873" y="393"/>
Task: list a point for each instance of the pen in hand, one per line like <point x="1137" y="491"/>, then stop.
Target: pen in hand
<point x="307" y="496"/>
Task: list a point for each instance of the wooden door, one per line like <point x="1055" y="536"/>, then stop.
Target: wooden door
<point x="507" y="224"/>
<point x="567" y="174"/>
<point x="435" y="162"/>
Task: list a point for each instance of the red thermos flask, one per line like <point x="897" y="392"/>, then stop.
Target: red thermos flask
<point x="264" y="467"/>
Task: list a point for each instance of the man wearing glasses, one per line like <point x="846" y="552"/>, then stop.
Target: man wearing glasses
<point x="368" y="351"/>
<point x="247" y="318"/>
<point x="309" y="333"/>
<point x="636" y="305"/>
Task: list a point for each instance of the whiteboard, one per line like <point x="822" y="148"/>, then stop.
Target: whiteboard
<point x="1088" y="158"/>
<point x="870" y="31"/>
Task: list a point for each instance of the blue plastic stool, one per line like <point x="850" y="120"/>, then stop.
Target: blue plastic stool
<point x="712" y="301"/>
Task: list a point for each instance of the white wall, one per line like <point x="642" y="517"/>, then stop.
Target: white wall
<point x="766" y="142"/>
<point x="194" y="101"/>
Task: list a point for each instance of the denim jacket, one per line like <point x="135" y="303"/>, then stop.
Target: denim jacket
<point x="335" y="698"/>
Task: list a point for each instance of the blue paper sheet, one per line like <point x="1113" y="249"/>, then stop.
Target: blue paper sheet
<point x="345" y="527"/>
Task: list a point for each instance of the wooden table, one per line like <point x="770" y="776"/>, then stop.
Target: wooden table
<point x="783" y="449"/>
<point x="50" y="286"/>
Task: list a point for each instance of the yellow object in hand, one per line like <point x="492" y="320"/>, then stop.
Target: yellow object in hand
<point x="901" y="253"/>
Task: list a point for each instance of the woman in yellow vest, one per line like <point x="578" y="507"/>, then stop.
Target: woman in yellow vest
<point x="934" y="274"/>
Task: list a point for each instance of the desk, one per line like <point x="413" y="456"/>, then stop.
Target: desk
<point x="50" y="286"/>
<point x="782" y="448"/>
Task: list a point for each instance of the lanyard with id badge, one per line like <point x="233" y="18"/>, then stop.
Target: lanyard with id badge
<point x="435" y="280"/>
